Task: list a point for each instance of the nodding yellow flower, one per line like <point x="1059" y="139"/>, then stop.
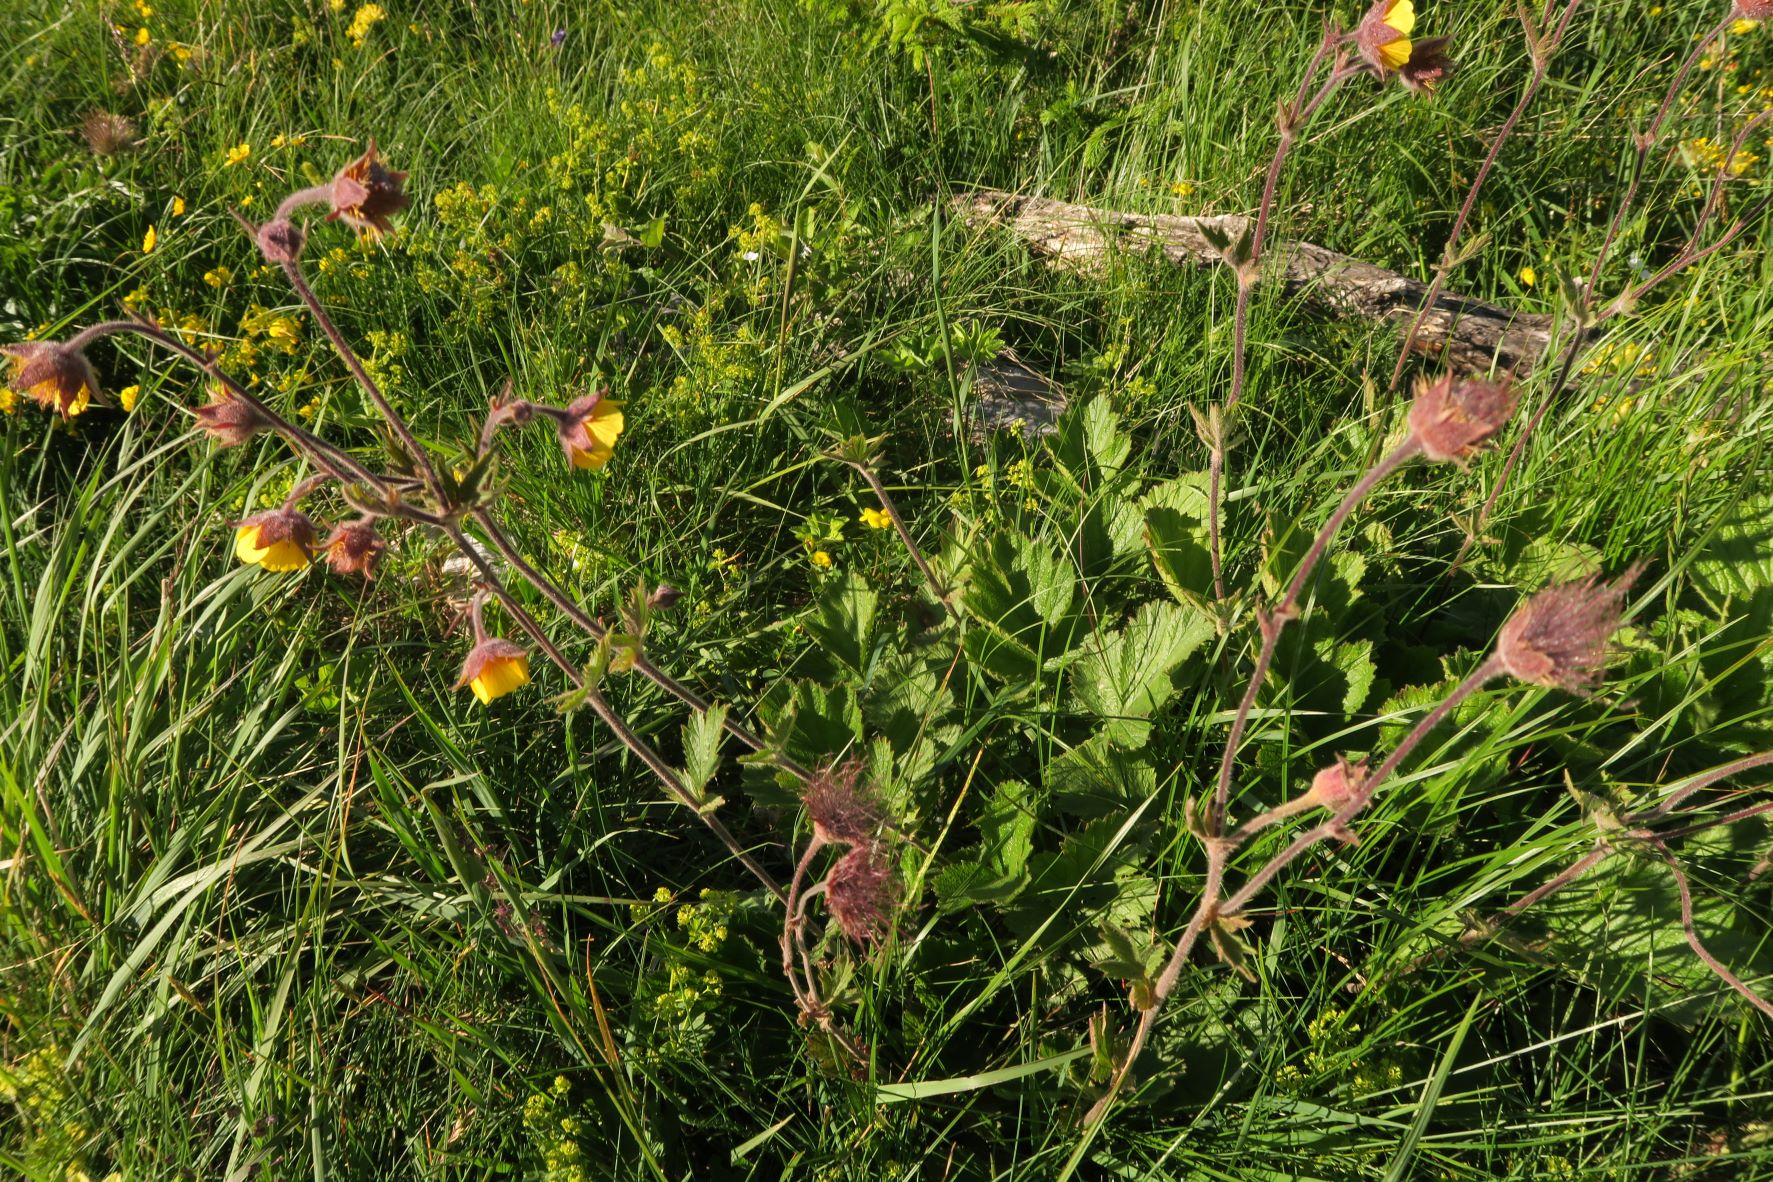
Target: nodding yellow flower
<point x="494" y="668"/>
<point x="56" y="377"/>
<point x="821" y="559"/>
<point x="178" y="207"/>
<point x="149" y="239"/>
<point x="281" y="540"/>
<point x="1529" y="277"/>
<point x="588" y="430"/>
<point x="876" y="519"/>
<point x="1383" y="37"/>
<point x="239" y="154"/>
<point x="126" y="397"/>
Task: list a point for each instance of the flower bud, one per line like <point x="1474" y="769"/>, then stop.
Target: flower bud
<point x="1559" y="636"/>
<point x="280" y="540"/>
<point x="365" y="193"/>
<point x="588" y="429"/>
<point x="1451" y="420"/>
<point x="352" y="548"/>
<point x="493" y="669"/>
<point x="664" y="597"/>
<point x="1337" y="785"/>
<point x="280" y="240"/>
<point x="230" y="421"/>
<point x="56" y="377"/>
<point x="860" y="893"/>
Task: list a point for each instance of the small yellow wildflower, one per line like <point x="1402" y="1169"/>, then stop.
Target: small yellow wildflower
<point x="218" y="277"/>
<point x="144" y="9"/>
<point x="1182" y="189"/>
<point x="239" y="154"/>
<point x="142" y="36"/>
<point x="336" y="5"/>
<point x="1744" y="26"/>
<point x="149" y="240"/>
<point x="821" y="559"/>
<point x="876" y="519"/>
<point x="127" y="396"/>
<point x="178" y="207"/>
<point x="1529" y="277"/>
<point x="246" y="201"/>
<point x="8" y="401"/>
<point x="366" y="19"/>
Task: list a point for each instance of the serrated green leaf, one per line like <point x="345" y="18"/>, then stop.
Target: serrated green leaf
<point x="1124" y="677"/>
<point x="701" y="746"/>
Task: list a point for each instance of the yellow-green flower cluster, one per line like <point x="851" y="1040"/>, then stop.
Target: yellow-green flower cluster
<point x="554" y="1133"/>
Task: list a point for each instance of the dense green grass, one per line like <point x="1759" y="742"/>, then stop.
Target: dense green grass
<point x="276" y="898"/>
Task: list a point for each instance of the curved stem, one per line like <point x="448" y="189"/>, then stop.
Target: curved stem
<point x="550" y="590"/>
<point x="1287" y="608"/>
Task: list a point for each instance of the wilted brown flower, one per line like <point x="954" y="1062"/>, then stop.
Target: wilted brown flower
<point x="664" y="597"/>
<point x="1428" y="66"/>
<point x="1452" y="419"/>
<point x="56" y="377"/>
<point x="353" y="548"/>
<point x="841" y="808"/>
<point x="365" y="193"/>
<point x="1559" y="636"/>
<point x="860" y="892"/>
<point x="107" y="133"/>
<point x="230" y="421"/>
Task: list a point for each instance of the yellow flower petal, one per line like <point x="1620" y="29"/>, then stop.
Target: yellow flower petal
<point x="1402" y="16"/>
<point x="148" y="240"/>
<point x="283" y="555"/>
<point x="1395" y="54"/>
<point x="498" y="677"/>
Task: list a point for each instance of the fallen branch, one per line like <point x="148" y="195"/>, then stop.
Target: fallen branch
<point x="1469" y="333"/>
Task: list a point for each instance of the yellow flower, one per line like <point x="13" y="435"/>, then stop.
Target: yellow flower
<point x="8" y="401"/>
<point x="278" y="540"/>
<point x="1182" y="189"/>
<point x="218" y="277"/>
<point x="126" y="397"/>
<point x="148" y="240"/>
<point x="1402" y="17"/>
<point x="588" y="431"/>
<point x="821" y="559"/>
<point x="145" y="9"/>
<point x="365" y="19"/>
<point x="876" y="519"/>
<point x="239" y="154"/>
<point x="1744" y="26"/>
<point x="178" y="207"/>
<point x="493" y="669"/>
<point x="142" y="36"/>
<point x="1529" y="277"/>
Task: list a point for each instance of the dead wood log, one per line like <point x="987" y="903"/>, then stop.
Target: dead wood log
<point x="1467" y="333"/>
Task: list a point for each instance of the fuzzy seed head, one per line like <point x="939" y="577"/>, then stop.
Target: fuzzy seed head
<point x="1453" y="419"/>
<point x="860" y="892"/>
<point x="107" y="133"/>
<point x="56" y="377"/>
<point x="1559" y="636"/>
<point x="366" y="193"/>
<point x="841" y="808"/>
<point x="1752" y="10"/>
<point x="230" y="421"/>
<point x="352" y="548"/>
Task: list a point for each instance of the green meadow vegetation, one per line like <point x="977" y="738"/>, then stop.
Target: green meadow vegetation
<point x="834" y="788"/>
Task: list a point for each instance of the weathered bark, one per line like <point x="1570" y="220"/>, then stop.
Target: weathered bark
<point x="1468" y="333"/>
